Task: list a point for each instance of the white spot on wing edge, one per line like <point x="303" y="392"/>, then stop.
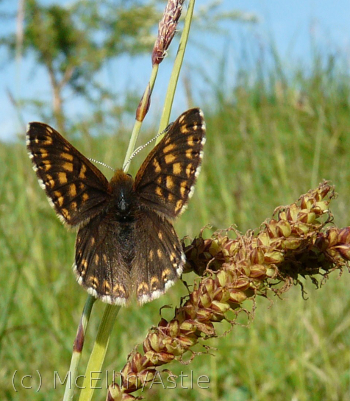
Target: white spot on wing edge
<point x="108" y="299"/>
<point x="104" y="298"/>
<point x="190" y="194"/>
<point x="183" y="209"/>
<point x="75" y="269"/>
<point x="91" y="291"/>
<point x="51" y="202"/>
<point x="41" y="183"/>
<point x="183" y="260"/>
<point x="158" y="293"/>
<point x="62" y="219"/>
<point x="113" y="300"/>
<point x="196" y="174"/>
<point x="154" y="295"/>
<point x="181" y="266"/>
<point x="201" y="114"/>
<point x="169" y="284"/>
<point x="144" y="299"/>
<point x="29" y="152"/>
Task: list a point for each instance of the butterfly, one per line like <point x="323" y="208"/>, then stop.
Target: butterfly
<point x="126" y="243"/>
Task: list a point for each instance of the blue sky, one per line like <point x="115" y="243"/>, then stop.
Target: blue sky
<point x="290" y="24"/>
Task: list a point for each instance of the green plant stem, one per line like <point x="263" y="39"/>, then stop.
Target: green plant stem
<point x="142" y="106"/>
<point x="97" y="356"/>
<point x="77" y="349"/>
<point x="169" y="99"/>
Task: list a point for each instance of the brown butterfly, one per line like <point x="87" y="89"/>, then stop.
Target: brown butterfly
<point x="126" y="242"/>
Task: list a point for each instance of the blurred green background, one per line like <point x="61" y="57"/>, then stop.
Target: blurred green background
<point x="270" y="137"/>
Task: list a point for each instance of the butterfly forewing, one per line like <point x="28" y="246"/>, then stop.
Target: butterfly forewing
<point x="166" y="178"/>
<point x="75" y="187"/>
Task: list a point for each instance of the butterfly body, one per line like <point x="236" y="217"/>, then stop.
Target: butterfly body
<point x="126" y="243"/>
<point x="123" y="197"/>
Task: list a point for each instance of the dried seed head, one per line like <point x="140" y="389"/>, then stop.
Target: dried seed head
<point x="166" y="29"/>
<point x="285" y="248"/>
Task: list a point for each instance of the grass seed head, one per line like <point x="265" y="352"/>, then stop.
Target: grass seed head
<point x="166" y="29"/>
<point x="293" y="244"/>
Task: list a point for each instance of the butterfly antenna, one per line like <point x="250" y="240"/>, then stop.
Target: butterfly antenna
<point x="136" y="151"/>
<point x="98" y="162"/>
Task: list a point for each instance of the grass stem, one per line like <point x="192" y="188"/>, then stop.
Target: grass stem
<point x="98" y="353"/>
<point x="77" y="348"/>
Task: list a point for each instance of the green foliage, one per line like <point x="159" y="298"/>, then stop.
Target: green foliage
<point x="279" y="134"/>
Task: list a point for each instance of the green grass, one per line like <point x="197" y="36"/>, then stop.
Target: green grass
<point x="268" y="142"/>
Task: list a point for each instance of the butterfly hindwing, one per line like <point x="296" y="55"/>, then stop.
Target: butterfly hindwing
<point x="104" y="250"/>
<point x="166" y="179"/>
<point x="113" y="260"/>
<point x="159" y="259"/>
<point x="74" y="186"/>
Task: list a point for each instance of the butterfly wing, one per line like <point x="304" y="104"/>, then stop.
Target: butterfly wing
<point x="114" y="260"/>
<point x="74" y="186"/>
<point x="166" y="179"/>
<point x="104" y="251"/>
<point x="159" y="259"/>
